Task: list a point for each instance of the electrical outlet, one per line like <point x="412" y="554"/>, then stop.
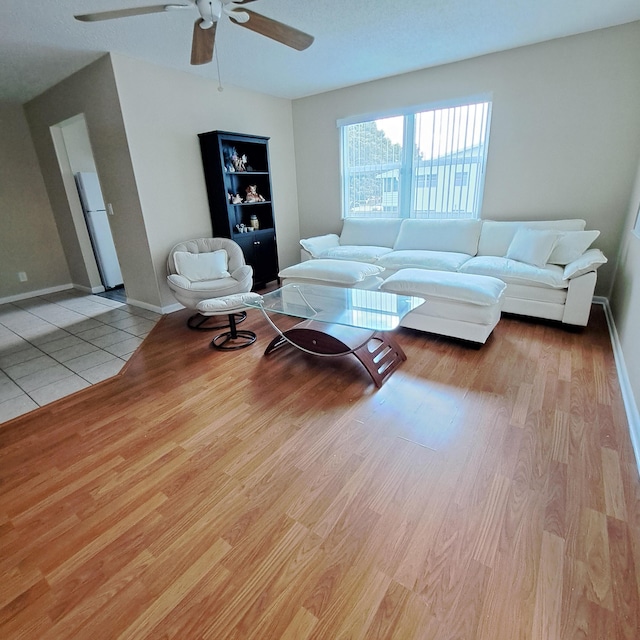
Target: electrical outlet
<point x="22" y="276"/>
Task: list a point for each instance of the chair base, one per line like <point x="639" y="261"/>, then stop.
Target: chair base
<point x="233" y="339"/>
<point x="198" y="322"/>
<point x="222" y="340"/>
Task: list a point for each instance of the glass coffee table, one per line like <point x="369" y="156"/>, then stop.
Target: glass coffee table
<point x="339" y="322"/>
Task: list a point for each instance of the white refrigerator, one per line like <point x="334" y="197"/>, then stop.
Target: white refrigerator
<point x="95" y="214"/>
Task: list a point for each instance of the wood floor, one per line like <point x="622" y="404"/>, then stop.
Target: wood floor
<point x="479" y="494"/>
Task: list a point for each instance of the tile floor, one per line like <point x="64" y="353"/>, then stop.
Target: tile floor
<point x="54" y="345"/>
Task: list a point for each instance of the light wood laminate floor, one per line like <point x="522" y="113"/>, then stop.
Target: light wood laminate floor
<point x="479" y="494"/>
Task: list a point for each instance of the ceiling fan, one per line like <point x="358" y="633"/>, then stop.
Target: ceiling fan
<point x="204" y="29"/>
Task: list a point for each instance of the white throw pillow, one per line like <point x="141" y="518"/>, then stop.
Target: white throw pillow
<point x="571" y="245"/>
<point x="202" y="266"/>
<point x="532" y="246"/>
<point x="315" y="246"/>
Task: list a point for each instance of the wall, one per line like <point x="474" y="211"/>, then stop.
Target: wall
<point x="565" y="131"/>
<point x="163" y="111"/>
<point x="625" y="299"/>
<point x="92" y="92"/>
<point x="29" y="239"/>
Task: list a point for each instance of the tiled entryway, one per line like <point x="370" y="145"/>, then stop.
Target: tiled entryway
<point x="54" y="345"/>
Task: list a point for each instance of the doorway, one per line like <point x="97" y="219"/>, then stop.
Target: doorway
<point x="90" y="214"/>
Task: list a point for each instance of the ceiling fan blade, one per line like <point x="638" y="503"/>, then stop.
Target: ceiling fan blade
<point x="275" y="30"/>
<point x="202" y="43"/>
<point x="125" y="13"/>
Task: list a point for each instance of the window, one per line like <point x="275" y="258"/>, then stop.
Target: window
<point x="422" y="164"/>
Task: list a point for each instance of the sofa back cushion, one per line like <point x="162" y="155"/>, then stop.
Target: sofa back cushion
<point x="496" y="235"/>
<point x="457" y="236"/>
<point x="376" y="232"/>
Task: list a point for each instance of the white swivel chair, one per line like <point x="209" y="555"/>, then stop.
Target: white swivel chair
<point x="207" y="268"/>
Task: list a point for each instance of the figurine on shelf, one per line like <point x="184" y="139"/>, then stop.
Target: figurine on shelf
<point x="228" y="154"/>
<point x="236" y="199"/>
<point x="253" y="195"/>
<point x="239" y="162"/>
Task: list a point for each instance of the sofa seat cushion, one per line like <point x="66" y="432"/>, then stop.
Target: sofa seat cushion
<point x="338" y="272"/>
<point x="470" y="289"/>
<point x="354" y="252"/>
<point x="433" y="260"/>
<point x="517" y="272"/>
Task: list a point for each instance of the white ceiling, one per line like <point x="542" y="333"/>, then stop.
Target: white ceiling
<point x="355" y="40"/>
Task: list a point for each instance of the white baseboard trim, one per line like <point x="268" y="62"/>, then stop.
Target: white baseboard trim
<point x="80" y="287"/>
<point x="35" y="294"/>
<point x="152" y="307"/>
<point x="633" y="416"/>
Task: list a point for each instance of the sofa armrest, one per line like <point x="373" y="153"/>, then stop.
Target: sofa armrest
<point x="316" y="245"/>
<point x="589" y="261"/>
<point x="577" y="305"/>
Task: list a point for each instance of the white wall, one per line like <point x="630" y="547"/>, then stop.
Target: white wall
<point x="143" y="122"/>
<point x="625" y="297"/>
<point x="29" y="239"/>
<point x="565" y="131"/>
<point x="163" y="111"/>
<point x="92" y="92"/>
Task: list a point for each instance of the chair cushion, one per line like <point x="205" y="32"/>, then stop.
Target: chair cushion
<point x="481" y="290"/>
<point x="227" y="304"/>
<point x="199" y="267"/>
<point x="339" y="271"/>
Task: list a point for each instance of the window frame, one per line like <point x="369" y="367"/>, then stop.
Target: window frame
<point x="407" y="171"/>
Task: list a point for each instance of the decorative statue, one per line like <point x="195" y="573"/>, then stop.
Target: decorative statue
<point x="236" y="199"/>
<point x="253" y="195"/>
<point x="233" y="161"/>
<point x="239" y="162"/>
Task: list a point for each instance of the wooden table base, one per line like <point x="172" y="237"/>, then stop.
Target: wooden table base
<point x="378" y="351"/>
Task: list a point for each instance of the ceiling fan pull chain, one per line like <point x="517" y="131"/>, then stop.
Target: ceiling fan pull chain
<point x="217" y="57"/>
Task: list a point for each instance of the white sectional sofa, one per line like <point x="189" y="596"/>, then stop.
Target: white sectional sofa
<point x="548" y="266"/>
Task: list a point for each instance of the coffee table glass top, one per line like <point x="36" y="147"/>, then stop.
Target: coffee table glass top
<point x="374" y="310"/>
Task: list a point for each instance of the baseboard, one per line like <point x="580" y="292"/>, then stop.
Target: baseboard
<point x="35" y="294"/>
<point x="80" y="287"/>
<point x="152" y="307"/>
<point x="630" y="405"/>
